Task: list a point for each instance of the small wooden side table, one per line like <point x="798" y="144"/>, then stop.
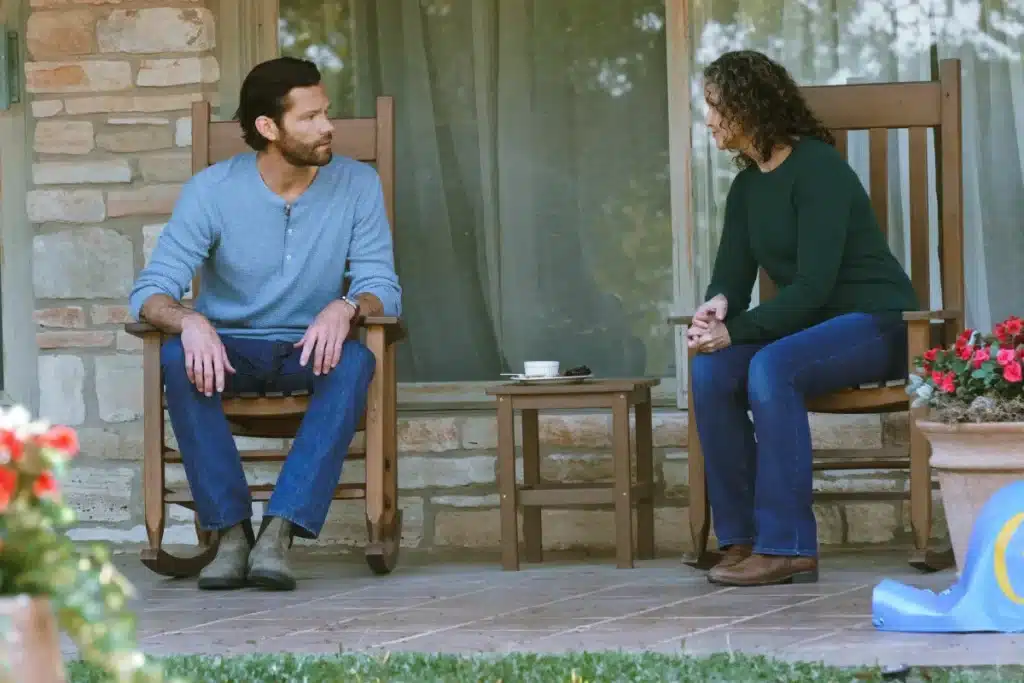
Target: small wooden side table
<point x="617" y="394"/>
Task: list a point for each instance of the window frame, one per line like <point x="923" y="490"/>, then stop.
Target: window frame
<point x="247" y="35"/>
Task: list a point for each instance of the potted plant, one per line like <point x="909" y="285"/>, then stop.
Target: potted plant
<point x="46" y="581"/>
<point x="975" y="423"/>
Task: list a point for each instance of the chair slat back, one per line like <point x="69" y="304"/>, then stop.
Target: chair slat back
<point x="917" y="107"/>
<point x="365" y="139"/>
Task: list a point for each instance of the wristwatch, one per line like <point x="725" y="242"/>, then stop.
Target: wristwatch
<point x="354" y="304"/>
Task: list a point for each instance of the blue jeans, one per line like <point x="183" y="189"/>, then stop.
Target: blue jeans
<point x="312" y="469"/>
<point x="759" y="475"/>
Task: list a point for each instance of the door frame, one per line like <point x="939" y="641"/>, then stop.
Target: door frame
<point x="17" y="293"/>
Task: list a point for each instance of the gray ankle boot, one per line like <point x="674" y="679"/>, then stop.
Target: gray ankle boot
<point x="228" y="569"/>
<point x="268" y="562"/>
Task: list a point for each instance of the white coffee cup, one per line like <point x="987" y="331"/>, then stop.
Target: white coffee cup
<point x="540" y="368"/>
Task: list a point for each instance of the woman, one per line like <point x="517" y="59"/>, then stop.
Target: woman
<point x="797" y="210"/>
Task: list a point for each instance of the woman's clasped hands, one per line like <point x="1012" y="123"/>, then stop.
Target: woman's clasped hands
<point x="707" y="332"/>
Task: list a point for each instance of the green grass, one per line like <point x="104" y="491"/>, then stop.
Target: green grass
<point x="596" y="667"/>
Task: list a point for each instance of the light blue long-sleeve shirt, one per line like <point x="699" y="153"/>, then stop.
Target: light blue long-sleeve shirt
<point x="267" y="268"/>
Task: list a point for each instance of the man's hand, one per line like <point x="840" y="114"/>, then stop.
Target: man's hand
<point x="715" y="338"/>
<point x="206" y="359"/>
<point x="324" y="338"/>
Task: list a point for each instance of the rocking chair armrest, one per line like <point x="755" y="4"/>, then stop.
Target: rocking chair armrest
<point x="141" y="330"/>
<point x="680" y="319"/>
<point x="930" y="316"/>
<point x="393" y="328"/>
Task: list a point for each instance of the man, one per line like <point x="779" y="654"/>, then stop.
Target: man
<point x="270" y="232"/>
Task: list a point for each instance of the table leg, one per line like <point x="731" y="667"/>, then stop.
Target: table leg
<point x="507" y="484"/>
<point x="623" y="483"/>
<point x="532" y="534"/>
<point x="645" y="477"/>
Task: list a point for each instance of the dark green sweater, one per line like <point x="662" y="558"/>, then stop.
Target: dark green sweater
<point x="810" y="225"/>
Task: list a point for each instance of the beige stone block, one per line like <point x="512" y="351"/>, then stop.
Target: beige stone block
<point x="119" y="387"/>
<point x="110" y="314"/>
<point x="62" y="389"/>
<point x="79" y="172"/>
<point x="178" y="71"/>
<point x="135" y="139"/>
<point x="940" y="530"/>
<point x="675" y="471"/>
<point x="42" y="109"/>
<point x="150" y="236"/>
<point x="480" y="432"/>
<point x="82" y="263"/>
<point x="581" y="468"/>
<point x="84" y="75"/>
<point x="65" y="206"/>
<point x="671" y="530"/>
<point x="166" y="167"/>
<point x="83" y="339"/>
<point x="157" y="29"/>
<point x="491" y="500"/>
<point x="578" y="529"/>
<point x="63" y="137"/>
<point x="98" y="444"/>
<point x="138" y="121"/>
<point x="579" y="431"/>
<point x="183" y="132"/>
<point x="127" y="342"/>
<point x="428" y="434"/>
<point x="875" y="522"/>
<point x="149" y="200"/>
<point x="467" y="528"/>
<point x="60" y="317"/>
<point x="670" y="428"/>
<point x="830" y="523"/>
<point x="846" y="431"/>
<point x="860" y="481"/>
<point x="59" y="34"/>
<point x="896" y="429"/>
<point x="422" y="472"/>
<point x="100" y="493"/>
<point x="346" y="524"/>
<point x="143" y="104"/>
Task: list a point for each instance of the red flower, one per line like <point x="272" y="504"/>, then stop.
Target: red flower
<point x="1012" y="372"/>
<point x="965" y="353"/>
<point x="1014" y="325"/>
<point x="948" y="386"/>
<point x="931" y="354"/>
<point x="60" y="438"/>
<point x="45" y="486"/>
<point x="937" y="377"/>
<point x="1005" y="356"/>
<point x="1001" y="333"/>
<point x="12" y="444"/>
<point x="980" y="356"/>
<point x="8" y="482"/>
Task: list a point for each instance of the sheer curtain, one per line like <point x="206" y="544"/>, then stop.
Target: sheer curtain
<point x="842" y="41"/>
<point x="532" y="193"/>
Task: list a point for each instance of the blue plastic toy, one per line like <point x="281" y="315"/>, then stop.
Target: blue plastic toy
<point x="989" y="595"/>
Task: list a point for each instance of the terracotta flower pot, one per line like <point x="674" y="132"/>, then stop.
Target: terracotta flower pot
<point x="29" y="643"/>
<point x="972" y="461"/>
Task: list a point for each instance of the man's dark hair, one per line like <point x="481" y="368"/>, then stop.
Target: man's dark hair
<point x="265" y="93"/>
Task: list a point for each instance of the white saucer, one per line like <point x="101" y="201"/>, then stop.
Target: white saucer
<point x="557" y="379"/>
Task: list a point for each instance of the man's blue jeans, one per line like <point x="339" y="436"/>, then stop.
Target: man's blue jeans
<point x="311" y="472"/>
<point x="759" y="475"/>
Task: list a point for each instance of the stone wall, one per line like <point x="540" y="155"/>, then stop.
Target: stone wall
<point x="110" y="84"/>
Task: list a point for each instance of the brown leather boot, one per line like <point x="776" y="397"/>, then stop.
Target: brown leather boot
<point x="733" y="555"/>
<point x="765" y="570"/>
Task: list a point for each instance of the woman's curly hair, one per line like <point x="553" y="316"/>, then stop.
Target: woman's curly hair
<point x="759" y="95"/>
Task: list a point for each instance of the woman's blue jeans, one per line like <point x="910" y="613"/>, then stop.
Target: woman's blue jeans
<point x="759" y="474"/>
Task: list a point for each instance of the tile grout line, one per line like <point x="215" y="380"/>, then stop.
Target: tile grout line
<point x="814" y="639"/>
<point x="445" y="629"/>
<point x="741" y="620"/>
<point x="638" y="613"/>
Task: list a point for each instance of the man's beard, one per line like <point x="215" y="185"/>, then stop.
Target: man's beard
<point x="298" y="154"/>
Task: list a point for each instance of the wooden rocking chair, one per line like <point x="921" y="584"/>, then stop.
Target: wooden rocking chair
<point x="878" y="108"/>
<point x="279" y="415"/>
